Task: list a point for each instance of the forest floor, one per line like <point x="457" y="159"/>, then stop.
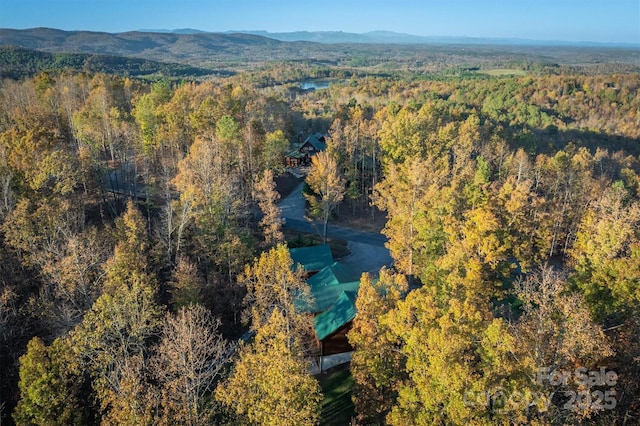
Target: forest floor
<point x="359" y="215"/>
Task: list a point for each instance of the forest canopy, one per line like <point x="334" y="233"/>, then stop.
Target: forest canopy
<point x="139" y="228"/>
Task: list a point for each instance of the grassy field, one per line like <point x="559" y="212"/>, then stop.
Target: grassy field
<point x="337" y="386"/>
<point x="503" y="72"/>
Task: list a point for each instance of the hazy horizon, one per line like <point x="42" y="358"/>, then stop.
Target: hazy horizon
<point x="545" y="20"/>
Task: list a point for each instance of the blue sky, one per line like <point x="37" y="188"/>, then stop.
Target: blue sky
<point x="575" y="20"/>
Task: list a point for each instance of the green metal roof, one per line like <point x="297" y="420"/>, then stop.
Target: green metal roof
<point x="336" y="273"/>
<point x="325" y="296"/>
<point x="339" y="314"/>
<point x="327" y="285"/>
<point x="316" y="142"/>
<point x="312" y="258"/>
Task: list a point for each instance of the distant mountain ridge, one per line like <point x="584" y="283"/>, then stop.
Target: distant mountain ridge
<point x="136" y="42"/>
<point x="232" y="51"/>
<point x="16" y="62"/>
<point x="390" y="37"/>
<point x="176" y="31"/>
<point x="133" y="42"/>
<point x="189" y="48"/>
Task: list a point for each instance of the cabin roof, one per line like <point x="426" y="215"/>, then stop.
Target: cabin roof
<point x="313" y="258"/>
<point x="339" y="314"/>
<point x="324" y="297"/>
<point x="327" y="285"/>
<point x="316" y="140"/>
<point x="336" y="273"/>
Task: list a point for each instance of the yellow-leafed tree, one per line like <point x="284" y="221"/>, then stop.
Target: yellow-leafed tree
<point x="272" y="284"/>
<point x="267" y="197"/>
<point x="327" y="183"/>
<point x="270" y="383"/>
<point x="376" y="365"/>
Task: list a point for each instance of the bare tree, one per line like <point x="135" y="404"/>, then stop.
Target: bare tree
<point x="556" y="335"/>
<point x="189" y="361"/>
<point x="557" y="324"/>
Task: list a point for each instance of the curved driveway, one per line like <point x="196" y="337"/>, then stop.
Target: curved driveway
<point x="334" y="231"/>
<point x="368" y="251"/>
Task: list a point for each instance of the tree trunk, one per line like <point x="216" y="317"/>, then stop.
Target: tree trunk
<point x="324" y="231"/>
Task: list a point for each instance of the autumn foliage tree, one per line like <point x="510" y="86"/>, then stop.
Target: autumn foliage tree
<point x="376" y="365"/>
<point x="257" y="391"/>
<point x="267" y="197"/>
<point x="607" y="252"/>
<point x="113" y="338"/>
<point x="186" y="286"/>
<point x="328" y="185"/>
<point x="415" y="195"/>
<point x="272" y="284"/>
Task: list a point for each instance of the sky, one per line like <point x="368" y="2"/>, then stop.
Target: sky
<point x="610" y="21"/>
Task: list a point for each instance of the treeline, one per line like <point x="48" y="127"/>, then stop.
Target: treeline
<point x="16" y="63"/>
<point x="132" y="239"/>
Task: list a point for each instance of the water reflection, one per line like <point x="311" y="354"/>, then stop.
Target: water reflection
<point x="314" y="84"/>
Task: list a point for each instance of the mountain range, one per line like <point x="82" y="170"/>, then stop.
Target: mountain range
<point x="389" y="37"/>
<point x="188" y="48"/>
<point x="51" y="36"/>
<point x="233" y="50"/>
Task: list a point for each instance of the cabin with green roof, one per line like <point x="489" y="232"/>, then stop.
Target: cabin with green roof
<point x="327" y="285"/>
<point x="334" y="274"/>
<point x="301" y="153"/>
<point x="314" y="143"/>
<point x="334" y="288"/>
<point x="331" y="327"/>
<point x="312" y="259"/>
